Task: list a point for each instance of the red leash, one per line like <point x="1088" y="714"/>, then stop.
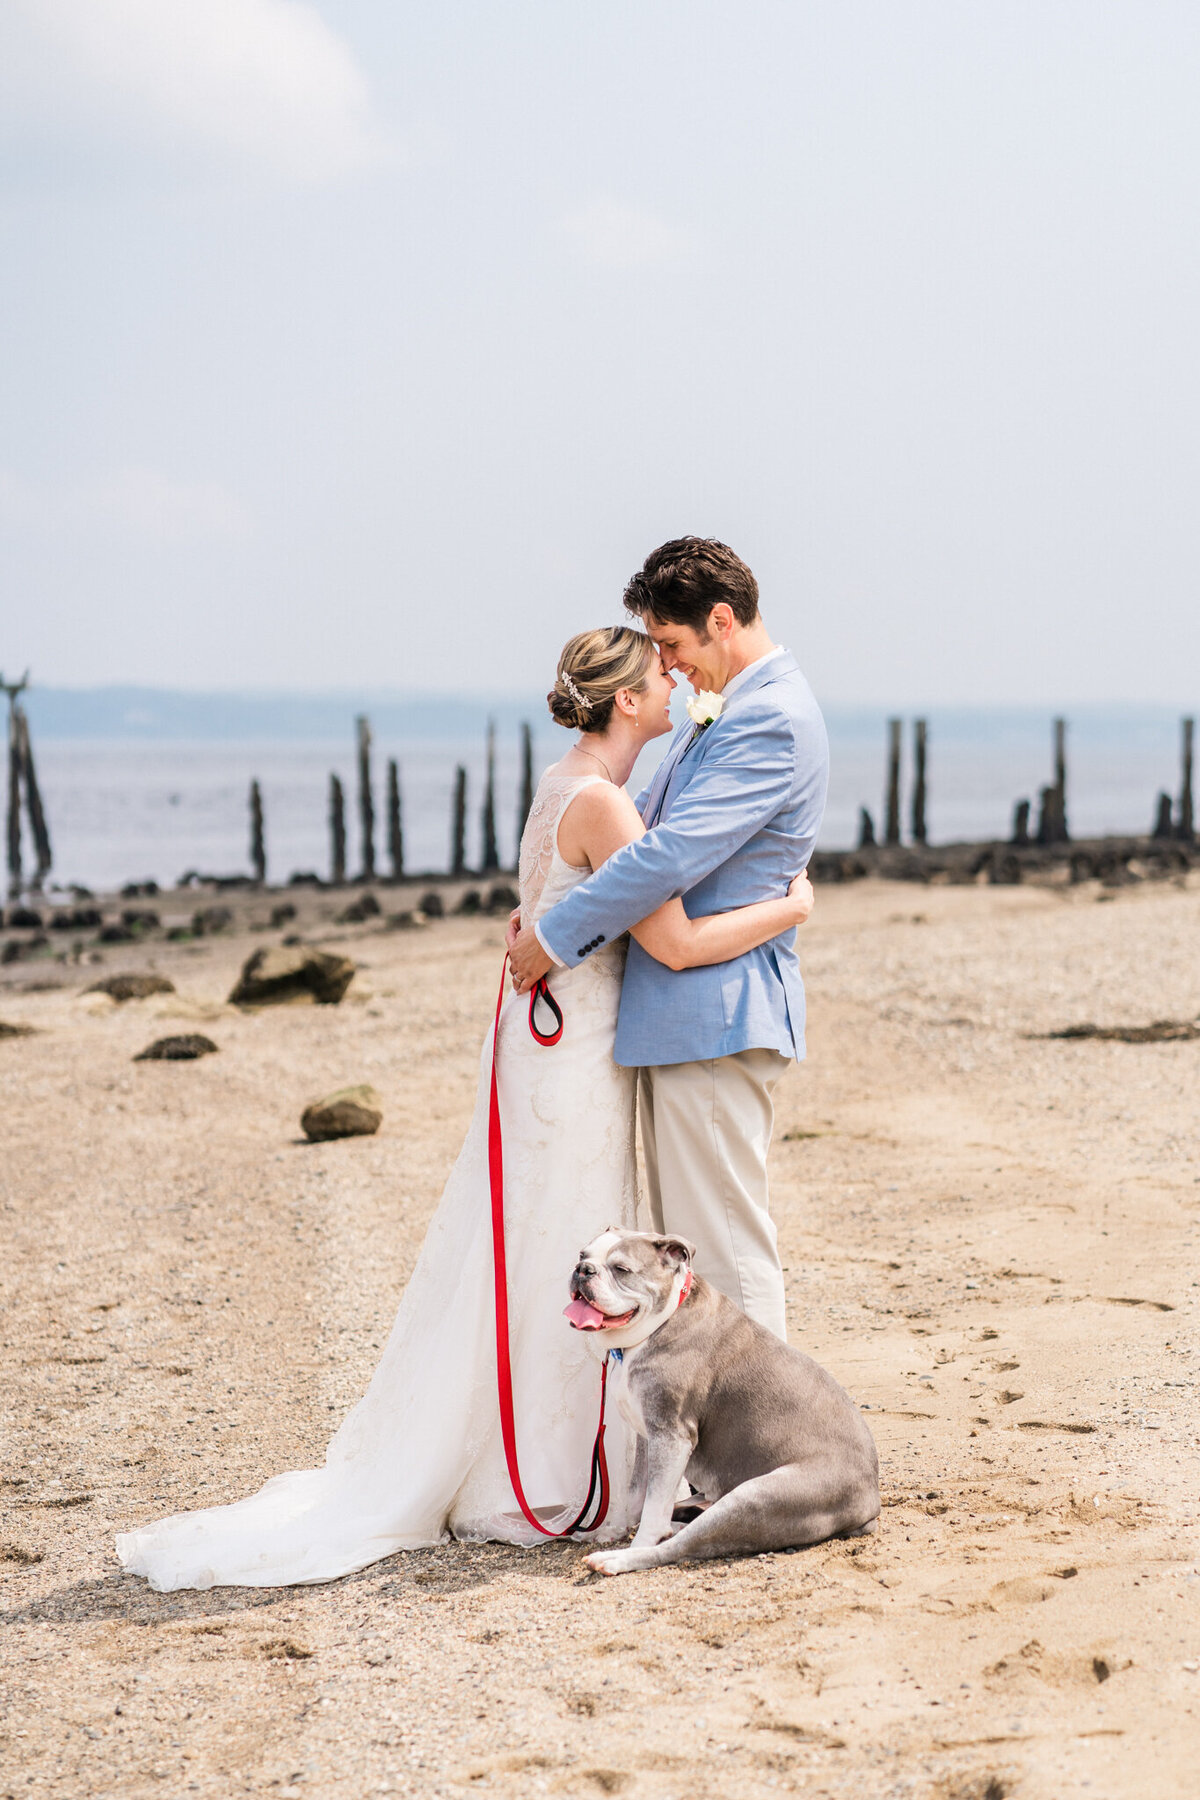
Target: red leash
<point x="508" y="1425"/>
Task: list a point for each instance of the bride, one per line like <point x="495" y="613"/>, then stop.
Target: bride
<point x="420" y="1458"/>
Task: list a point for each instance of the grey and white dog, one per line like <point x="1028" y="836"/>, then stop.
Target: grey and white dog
<point x="777" y="1449"/>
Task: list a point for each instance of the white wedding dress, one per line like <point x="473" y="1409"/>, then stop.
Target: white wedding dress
<point x="420" y="1457"/>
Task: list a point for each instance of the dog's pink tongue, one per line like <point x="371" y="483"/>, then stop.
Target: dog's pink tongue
<point x="584" y="1316"/>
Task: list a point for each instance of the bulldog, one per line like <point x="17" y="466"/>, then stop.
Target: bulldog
<point x="778" y="1452"/>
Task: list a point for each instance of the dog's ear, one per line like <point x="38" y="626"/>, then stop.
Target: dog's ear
<point x="674" y="1250"/>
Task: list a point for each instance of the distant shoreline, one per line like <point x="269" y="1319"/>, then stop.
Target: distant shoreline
<point x="73" y="929"/>
<point x="136" y="714"/>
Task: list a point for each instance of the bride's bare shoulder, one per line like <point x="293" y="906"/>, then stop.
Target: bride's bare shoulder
<point x="603" y="800"/>
<point x="598" y="821"/>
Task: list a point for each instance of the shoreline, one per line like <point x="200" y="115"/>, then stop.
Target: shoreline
<point x="94" y="922"/>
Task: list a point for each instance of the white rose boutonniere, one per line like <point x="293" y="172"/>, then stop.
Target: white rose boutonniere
<point x="704" y="707"/>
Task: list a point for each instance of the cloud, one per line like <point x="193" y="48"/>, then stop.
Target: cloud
<point x="613" y="236"/>
<point x="262" y="83"/>
<point x="130" y="502"/>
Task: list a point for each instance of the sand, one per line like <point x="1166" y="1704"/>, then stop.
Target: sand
<point x="989" y="1238"/>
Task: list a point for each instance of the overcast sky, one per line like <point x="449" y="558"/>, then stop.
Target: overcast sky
<point x="375" y="344"/>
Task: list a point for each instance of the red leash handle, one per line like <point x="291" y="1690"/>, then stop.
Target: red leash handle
<point x="508" y="1424"/>
<point x="540" y="991"/>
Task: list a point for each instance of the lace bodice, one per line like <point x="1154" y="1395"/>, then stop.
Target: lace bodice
<point x="544" y="878"/>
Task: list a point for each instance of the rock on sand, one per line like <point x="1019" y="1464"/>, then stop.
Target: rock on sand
<point x="184" y="1048"/>
<point x="131" y="987"/>
<point x="351" y="1112"/>
<point x="284" y="974"/>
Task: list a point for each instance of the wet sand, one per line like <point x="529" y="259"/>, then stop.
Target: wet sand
<point x="990" y="1240"/>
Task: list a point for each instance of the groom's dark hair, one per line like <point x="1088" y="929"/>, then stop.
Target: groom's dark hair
<point x="682" y="581"/>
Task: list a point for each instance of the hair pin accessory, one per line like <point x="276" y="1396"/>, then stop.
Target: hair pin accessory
<point x="580" y="699"/>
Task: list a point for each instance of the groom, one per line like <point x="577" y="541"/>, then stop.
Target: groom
<point x="731" y="814"/>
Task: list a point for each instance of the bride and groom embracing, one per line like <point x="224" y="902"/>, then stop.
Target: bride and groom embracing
<point x="697" y="1019"/>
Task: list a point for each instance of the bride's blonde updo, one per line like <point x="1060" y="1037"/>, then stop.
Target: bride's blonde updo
<point x="592" y="669"/>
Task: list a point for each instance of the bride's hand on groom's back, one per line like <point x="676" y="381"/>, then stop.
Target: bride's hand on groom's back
<point x="514" y="927"/>
<point x="527" y="958"/>
<point x="800" y="890"/>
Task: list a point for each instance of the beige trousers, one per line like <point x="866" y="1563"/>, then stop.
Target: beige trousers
<point x="706" y="1130"/>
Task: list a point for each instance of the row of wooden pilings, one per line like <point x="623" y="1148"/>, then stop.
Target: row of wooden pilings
<point x="919" y="827"/>
<point x="489" y="860"/>
<point x="1172" y="819"/>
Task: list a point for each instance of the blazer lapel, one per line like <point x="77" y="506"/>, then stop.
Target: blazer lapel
<point x="674" y="772"/>
<point x="662" y="776"/>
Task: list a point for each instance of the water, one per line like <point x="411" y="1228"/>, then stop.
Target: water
<point x="122" y="809"/>
<point x="135" y="811"/>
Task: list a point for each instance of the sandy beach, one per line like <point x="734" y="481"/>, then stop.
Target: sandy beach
<point x="990" y="1241"/>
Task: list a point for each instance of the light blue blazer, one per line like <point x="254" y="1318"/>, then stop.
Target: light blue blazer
<point x="732" y="814"/>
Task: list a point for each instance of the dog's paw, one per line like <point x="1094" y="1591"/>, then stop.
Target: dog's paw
<point x="610" y="1562"/>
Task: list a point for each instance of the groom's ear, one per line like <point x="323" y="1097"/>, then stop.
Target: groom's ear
<point x="675" y="1250"/>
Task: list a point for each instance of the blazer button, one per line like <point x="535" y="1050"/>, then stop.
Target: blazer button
<point x="600" y="939"/>
<point x="583" y="950"/>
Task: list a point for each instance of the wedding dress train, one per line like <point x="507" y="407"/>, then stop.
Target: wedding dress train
<point x="420" y="1457"/>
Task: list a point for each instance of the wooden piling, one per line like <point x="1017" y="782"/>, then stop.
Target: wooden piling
<point x="337" y="832"/>
<point x="525" y="798"/>
<point x="866" y="829"/>
<point x="15" y="871"/>
<point x="1020" y="830"/>
<point x="920" y="742"/>
<point x="458" y="824"/>
<point x="1187" y="812"/>
<point x="1163" y="823"/>
<point x="892" y="829"/>
<point x="33" y="801"/>
<point x="258" y="848"/>
<point x="1060" y="781"/>
<point x="1052" y="815"/>
<point x="366" y="803"/>
<point x="490" y="860"/>
<point x="395" y="827"/>
<point x="18" y="744"/>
